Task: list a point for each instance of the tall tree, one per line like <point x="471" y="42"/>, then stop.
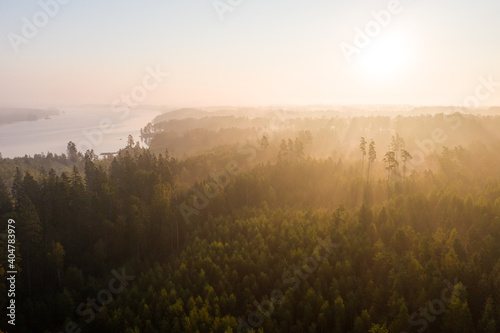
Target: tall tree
<point x="17" y="186"/>
<point x="130" y="141"/>
<point x="283" y="152"/>
<point x="457" y="316"/>
<point x="161" y="229"/>
<point x="397" y="143"/>
<point x="72" y="152"/>
<point x="5" y="199"/>
<point x="339" y="314"/>
<point x="401" y="317"/>
<point x="362" y="147"/>
<point x="372" y="156"/>
<point x="30" y="234"/>
<point x="487" y="324"/>
<point x="291" y="150"/>
<point x="405" y="157"/>
<point x="55" y="259"/>
<point x="299" y="149"/>
<point x="391" y="163"/>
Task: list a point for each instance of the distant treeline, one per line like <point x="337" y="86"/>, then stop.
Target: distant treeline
<point x="336" y="136"/>
<point x="12" y="115"/>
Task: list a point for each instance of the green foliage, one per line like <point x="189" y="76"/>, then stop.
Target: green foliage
<point x="377" y="328"/>
<point x="252" y="256"/>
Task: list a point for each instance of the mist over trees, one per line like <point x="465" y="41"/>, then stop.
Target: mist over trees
<point x="362" y="224"/>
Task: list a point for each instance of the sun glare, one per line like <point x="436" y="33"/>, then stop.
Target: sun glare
<point x="384" y="59"/>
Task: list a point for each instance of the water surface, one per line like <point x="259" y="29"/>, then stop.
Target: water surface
<point x="80" y="125"/>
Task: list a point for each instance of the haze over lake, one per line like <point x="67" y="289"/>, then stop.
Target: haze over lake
<point x="52" y="135"/>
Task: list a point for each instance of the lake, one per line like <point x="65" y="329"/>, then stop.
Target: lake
<point x="82" y="125"/>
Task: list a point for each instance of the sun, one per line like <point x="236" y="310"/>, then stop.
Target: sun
<point x="385" y="58"/>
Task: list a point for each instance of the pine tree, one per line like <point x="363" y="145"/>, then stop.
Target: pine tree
<point x="397" y="144"/>
<point x="299" y="149"/>
<point x="339" y="315"/>
<point x="72" y="152"/>
<point x="362" y="322"/>
<point x="405" y="156"/>
<point x="392" y="163"/>
<point x="291" y="150"/>
<point x="487" y="324"/>
<point x="401" y="320"/>
<point x="362" y="147"/>
<point x="55" y="259"/>
<point x="30" y="235"/>
<point x="372" y="156"/>
<point x="283" y="152"/>
<point x="457" y="316"/>
<point x="5" y="199"/>
<point x="17" y="187"/>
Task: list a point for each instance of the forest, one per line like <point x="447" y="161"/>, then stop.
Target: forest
<point x="364" y="224"/>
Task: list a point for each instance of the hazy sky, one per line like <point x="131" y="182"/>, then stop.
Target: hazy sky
<point x="263" y="52"/>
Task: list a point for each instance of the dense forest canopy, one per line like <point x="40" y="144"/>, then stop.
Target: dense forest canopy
<point x="234" y="224"/>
